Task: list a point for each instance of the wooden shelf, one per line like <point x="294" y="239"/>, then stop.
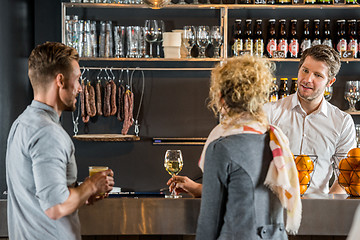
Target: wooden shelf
<point x="215" y="6"/>
<point x="106" y="137"/>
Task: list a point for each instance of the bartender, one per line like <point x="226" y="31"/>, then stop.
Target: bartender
<point x="313" y="125"/>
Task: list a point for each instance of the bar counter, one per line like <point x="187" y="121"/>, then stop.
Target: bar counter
<point x="327" y="215"/>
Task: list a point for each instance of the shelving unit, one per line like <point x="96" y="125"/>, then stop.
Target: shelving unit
<point x="225" y="14"/>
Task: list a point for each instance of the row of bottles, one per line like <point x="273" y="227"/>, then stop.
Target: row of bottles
<point x="282" y="91"/>
<point x="289" y="44"/>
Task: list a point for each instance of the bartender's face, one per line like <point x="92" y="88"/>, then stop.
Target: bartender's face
<point x="71" y="88"/>
<point x="313" y="79"/>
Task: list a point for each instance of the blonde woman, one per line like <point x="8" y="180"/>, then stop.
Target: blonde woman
<point x="249" y="173"/>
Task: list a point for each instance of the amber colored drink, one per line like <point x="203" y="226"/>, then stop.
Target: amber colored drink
<point x="95" y="169"/>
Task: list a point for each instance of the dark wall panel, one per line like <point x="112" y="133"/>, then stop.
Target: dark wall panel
<point x="16" y="41"/>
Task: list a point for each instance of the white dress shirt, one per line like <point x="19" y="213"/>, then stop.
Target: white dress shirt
<point x="326" y="132"/>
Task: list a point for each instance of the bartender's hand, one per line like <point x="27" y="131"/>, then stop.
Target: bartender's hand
<point x="185" y="184"/>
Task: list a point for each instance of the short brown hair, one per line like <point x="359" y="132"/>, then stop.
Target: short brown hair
<point x="244" y="85"/>
<point x="324" y="54"/>
<point x="49" y="59"/>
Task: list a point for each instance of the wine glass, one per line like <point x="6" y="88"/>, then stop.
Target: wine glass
<point x="151" y="33"/>
<point x="173" y="164"/>
<point x="203" y="37"/>
<point x="352" y="94"/>
<point x="216" y="40"/>
<point x="328" y="93"/>
<point x="159" y="39"/>
<point x="189" y="38"/>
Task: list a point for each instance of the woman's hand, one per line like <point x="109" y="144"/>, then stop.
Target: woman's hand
<point x="184" y="184"/>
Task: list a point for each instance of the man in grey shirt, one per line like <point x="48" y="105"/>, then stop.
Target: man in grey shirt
<point x="40" y="165"/>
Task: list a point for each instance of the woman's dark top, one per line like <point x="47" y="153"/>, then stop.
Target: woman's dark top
<point x="235" y="203"/>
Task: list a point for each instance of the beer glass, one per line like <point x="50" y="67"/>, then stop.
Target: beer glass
<point x="216" y="40"/>
<point x="119" y="40"/>
<point x="328" y="93"/>
<point x="189" y="39"/>
<point x="352" y="94"/>
<point x="173" y="164"/>
<point x="202" y="38"/>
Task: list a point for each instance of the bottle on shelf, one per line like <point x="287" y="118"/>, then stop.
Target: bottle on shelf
<point x="270" y="2"/>
<point x="76" y="33"/>
<point x="283" y="91"/>
<point x="352" y="41"/>
<point x="294" y="85"/>
<point x="293" y="40"/>
<point x="248" y="41"/>
<point x="274" y="92"/>
<point x="284" y="1"/>
<point x="109" y="43"/>
<point x="282" y="42"/>
<point x="351" y="1"/>
<point x="237" y="45"/>
<point x="327" y="34"/>
<point x="317" y="38"/>
<point x="271" y="45"/>
<point x="341" y="43"/>
<point x="310" y="1"/>
<point x="324" y="1"/>
<point x="306" y="41"/>
<point x="259" y="39"/>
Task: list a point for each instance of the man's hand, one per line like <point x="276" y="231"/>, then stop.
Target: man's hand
<point x="184" y="184"/>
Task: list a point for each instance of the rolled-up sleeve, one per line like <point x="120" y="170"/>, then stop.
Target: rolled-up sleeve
<point x="49" y="167"/>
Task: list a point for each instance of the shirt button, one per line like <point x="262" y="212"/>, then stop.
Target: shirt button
<point x="264" y="231"/>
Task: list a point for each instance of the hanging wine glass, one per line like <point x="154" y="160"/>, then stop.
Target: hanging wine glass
<point x="151" y="33"/>
<point x="173" y="164"/>
<point x="216" y="40"/>
<point x="352" y="94"/>
<point x="159" y="39"/>
<point x="189" y="38"/>
<point x="202" y="39"/>
<point x="328" y="93"/>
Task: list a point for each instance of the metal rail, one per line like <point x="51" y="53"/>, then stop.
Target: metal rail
<point x="148" y="69"/>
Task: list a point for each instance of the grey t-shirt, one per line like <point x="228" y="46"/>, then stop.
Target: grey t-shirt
<point x="40" y="165"/>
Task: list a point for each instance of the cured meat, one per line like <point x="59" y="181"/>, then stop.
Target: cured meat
<point x="82" y="99"/>
<point x="121" y="94"/>
<point x="107" y="96"/>
<point x="128" y="111"/>
<point x="113" y="98"/>
<point x="98" y="99"/>
<point x="92" y="101"/>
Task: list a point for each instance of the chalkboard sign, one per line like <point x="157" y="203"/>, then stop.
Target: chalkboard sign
<point x="347" y="54"/>
<point x="279" y="54"/>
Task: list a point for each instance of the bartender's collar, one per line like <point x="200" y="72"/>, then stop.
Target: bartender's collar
<point x="323" y="108"/>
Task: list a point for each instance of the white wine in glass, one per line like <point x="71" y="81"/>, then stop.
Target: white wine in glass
<point x="173" y="164"/>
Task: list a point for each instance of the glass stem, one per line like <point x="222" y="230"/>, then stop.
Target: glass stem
<point x="150" y="53"/>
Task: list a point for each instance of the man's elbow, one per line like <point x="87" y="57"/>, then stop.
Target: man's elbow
<point x="54" y="212"/>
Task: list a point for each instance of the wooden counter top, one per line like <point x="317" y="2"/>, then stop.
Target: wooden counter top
<point x="330" y="215"/>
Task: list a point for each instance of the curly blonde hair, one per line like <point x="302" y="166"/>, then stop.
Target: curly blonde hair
<point x="240" y="87"/>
